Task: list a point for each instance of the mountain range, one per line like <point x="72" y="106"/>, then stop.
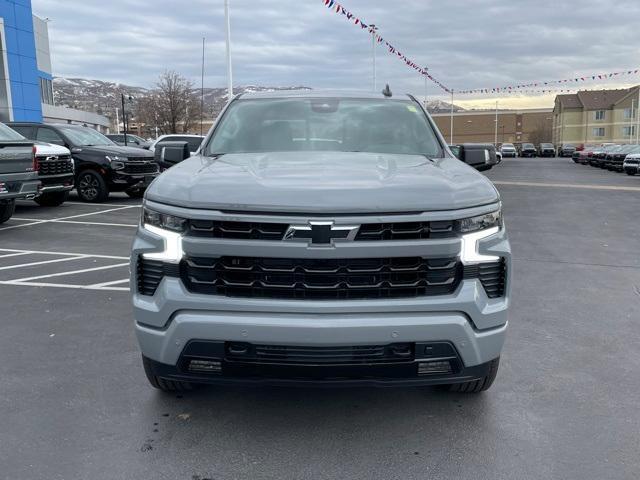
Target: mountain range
<point x="104" y="97"/>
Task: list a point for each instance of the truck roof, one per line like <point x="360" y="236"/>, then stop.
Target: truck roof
<point x="322" y="94"/>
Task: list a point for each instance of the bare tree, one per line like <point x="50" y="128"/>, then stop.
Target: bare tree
<point x="173" y="106"/>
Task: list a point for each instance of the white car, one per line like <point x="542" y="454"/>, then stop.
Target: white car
<point x="631" y="164"/>
<point x="508" y="150"/>
<point x="194" y="141"/>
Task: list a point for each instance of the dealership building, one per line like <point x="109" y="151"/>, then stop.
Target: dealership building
<point x="26" y="81"/>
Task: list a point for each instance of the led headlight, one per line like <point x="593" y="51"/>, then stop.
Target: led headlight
<point x="117" y="163"/>
<point x="170" y="228"/>
<point x="481" y="222"/>
<point x="475" y="229"/>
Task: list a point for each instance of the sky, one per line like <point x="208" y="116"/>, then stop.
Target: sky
<point x="466" y="44"/>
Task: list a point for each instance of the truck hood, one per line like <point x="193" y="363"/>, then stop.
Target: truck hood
<point x="114" y="150"/>
<point x="43" y="148"/>
<point x="322" y="182"/>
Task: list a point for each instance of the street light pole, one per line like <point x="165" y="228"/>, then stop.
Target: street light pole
<point x="117" y="121"/>
<point x="373" y="28"/>
<point x="451" y="126"/>
<point x="495" y="140"/>
<point x="228" y="35"/>
<point x="124" y="119"/>
<point x="202" y="89"/>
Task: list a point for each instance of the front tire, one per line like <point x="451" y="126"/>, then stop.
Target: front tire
<point x="91" y="187"/>
<point x="170" y="386"/>
<point x="477" y="386"/>
<point x="7" y="210"/>
<point x="54" y="199"/>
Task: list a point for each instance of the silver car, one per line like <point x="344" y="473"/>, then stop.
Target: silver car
<point x="321" y="238"/>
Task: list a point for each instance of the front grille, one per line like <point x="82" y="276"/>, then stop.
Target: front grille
<point x="139" y="167"/>
<point x="237" y="230"/>
<point x="339" y="279"/>
<point x="303" y="355"/>
<point x="491" y="275"/>
<point x="149" y="273"/>
<point x="367" y="232"/>
<point x="406" y="231"/>
<point x="62" y="165"/>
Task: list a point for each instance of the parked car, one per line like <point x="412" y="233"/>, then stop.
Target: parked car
<point x="528" y="150"/>
<point x="498" y="156"/>
<point x="631" y="164"/>
<point x="614" y="161"/>
<point x="566" y="150"/>
<point x="599" y="156"/>
<point x="547" y="150"/>
<point x="301" y="237"/>
<point x="18" y="176"/>
<point x="54" y="165"/>
<point x="583" y="156"/>
<point x="101" y="166"/>
<point x="132" y="140"/>
<point x="508" y="150"/>
<point x="481" y="156"/>
<point x="193" y="141"/>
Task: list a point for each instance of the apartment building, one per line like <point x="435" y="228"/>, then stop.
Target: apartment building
<point x="597" y="116"/>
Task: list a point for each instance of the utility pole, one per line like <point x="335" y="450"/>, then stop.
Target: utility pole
<point x="632" y="116"/>
<point x="451" y="132"/>
<point x="202" y="89"/>
<point x="228" y="35"/>
<point x="426" y="85"/>
<point x="495" y="140"/>
<point x="117" y="121"/>
<point x="373" y="29"/>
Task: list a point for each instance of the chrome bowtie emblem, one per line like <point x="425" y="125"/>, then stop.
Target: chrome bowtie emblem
<point x="321" y="233"/>
<point x="51" y="158"/>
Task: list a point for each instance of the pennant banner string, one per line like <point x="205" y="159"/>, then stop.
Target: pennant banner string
<point x="340" y="10"/>
<point x="542" y="84"/>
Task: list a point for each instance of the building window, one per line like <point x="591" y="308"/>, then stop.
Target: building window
<point x="598" y="132"/>
<point x="628" y="113"/>
<point x="629" y="131"/>
<point x="599" y="114"/>
<point x="46" y="91"/>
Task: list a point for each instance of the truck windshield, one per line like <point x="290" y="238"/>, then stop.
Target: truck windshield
<point x="8" y="134"/>
<point x="324" y="124"/>
<point x="85" y="136"/>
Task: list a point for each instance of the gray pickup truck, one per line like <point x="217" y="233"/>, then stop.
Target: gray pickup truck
<point x="321" y="238"/>
<point x="18" y="175"/>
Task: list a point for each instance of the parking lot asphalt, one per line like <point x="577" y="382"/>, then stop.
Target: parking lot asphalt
<point x="74" y="402"/>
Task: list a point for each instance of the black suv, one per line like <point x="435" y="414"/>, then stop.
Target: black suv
<point x="528" y="150"/>
<point x="101" y="166"/>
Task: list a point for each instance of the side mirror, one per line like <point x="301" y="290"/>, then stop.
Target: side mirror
<point x="167" y="154"/>
<point x="480" y="157"/>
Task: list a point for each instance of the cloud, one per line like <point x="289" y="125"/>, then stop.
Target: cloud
<point x="466" y="44"/>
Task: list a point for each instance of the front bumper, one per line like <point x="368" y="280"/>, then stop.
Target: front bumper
<point x="124" y="181"/>
<point x="173" y="316"/>
<point x="56" y="183"/>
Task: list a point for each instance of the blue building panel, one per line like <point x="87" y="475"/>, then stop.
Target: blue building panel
<point x="22" y="65"/>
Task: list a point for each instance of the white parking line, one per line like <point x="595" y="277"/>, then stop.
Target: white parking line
<point x="568" y="185"/>
<point x="109" y="284"/>
<point x="103" y="224"/>
<point x="39" y="222"/>
<point x="101" y="204"/>
<point x="22" y="265"/>
<point x="73" y="272"/>
<point x="14" y="254"/>
<point x="12" y="250"/>
<point x="61" y="285"/>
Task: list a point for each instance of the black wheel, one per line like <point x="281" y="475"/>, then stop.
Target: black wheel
<point x="161" y="383"/>
<point x="91" y="187"/>
<point x="139" y="193"/>
<point x="478" y="386"/>
<point x="6" y="210"/>
<point x="53" y="199"/>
